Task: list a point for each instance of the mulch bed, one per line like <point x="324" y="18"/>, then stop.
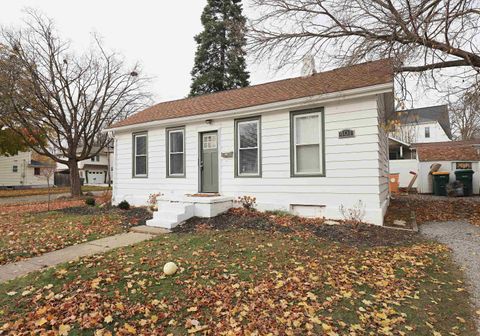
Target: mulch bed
<point x="133" y="217"/>
<point x="362" y="235"/>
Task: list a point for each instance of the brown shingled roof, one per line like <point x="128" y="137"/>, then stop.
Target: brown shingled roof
<point x="449" y="151"/>
<point x="351" y="77"/>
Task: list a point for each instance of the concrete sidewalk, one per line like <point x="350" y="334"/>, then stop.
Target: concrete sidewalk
<point x="14" y="270"/>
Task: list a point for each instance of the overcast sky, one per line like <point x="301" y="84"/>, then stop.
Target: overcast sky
<point x="157" y="34"/>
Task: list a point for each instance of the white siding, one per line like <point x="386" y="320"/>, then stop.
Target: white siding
<point x="415" y="133"/>
<point x="384" y="107"/>
<point x="404" y="167"/>
<point x="356" y="168"/>
<point x="25" y="174"/>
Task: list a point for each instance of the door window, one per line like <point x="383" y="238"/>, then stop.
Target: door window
<point x="209" y="141"/>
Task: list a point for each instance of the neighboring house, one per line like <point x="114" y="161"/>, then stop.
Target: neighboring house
<point x="22" y="171"/>
<point x="94" y="171"/>
<point x="421" y="125"/>
<point x="452" y="156"/>
<point x="306" y="145"/>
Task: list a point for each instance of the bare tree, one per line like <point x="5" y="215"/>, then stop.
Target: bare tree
<point x="405" y="125"/>
<point x="47" y="172"/>
<point x="422" y="36"/>
<point x="465" y="115"/>
<point x="69" y="97"/>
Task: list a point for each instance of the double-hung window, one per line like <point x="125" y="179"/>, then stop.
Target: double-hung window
<point x="176" y="152"/>
<point x="140" y="155"/>
<point x="247" y="147"/>
<point x="307" y="143"/>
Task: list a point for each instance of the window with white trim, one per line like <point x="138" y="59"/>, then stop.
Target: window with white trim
<point x="307" y="143"/>
<point x="176" y="152"/>
<point x="248" y="147"/>
<point x="140" y="155"/>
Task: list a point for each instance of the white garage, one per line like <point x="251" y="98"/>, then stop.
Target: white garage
<point x="95" y="177"/>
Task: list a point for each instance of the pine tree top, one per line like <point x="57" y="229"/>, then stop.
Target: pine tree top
<point x="220" y="57"/>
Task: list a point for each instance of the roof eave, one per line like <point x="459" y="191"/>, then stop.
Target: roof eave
<point x="265" y="108"/>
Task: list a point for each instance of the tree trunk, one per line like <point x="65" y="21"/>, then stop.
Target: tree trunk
<point x="75" y="187"/>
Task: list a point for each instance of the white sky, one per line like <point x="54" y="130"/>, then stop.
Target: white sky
<point x="158" y="34"/>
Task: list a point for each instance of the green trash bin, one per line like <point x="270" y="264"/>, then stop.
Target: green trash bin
<point x="440" y="182"/>
<point x="466" y="177"/>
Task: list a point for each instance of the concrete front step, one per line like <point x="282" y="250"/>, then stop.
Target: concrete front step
<point x="170" y="215"/>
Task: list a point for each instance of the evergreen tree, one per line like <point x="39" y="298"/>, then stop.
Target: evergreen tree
<point x="220" y="57"/>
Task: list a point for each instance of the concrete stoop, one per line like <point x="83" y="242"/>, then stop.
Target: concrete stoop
<point x="175" y="210"/>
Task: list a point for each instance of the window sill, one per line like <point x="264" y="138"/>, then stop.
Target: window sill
<point x="309" y="175"/>
<point x="248" y="176"/>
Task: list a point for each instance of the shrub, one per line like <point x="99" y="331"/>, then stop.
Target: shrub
<point x="153" y="201"/>
<point x="248" y="202"/>
<point x="355" y="214"/>
<point x="90" y="201"/>
<point x="124" y="205"/>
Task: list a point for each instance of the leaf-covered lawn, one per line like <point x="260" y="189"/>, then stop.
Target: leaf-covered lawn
<point x="245" y="282"/>
<point x="44" y="191"/>
<point x="426" y="208"/>
<point x="26" y="234"/>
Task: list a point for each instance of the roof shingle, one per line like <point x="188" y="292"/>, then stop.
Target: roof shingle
<point x="449" y="151"/>
<point x="347" y="78"/>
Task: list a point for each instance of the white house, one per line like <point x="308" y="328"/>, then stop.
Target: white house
<point x="424" y="125"/>
<point x="22" y="171"/>
<point x="307" y="145"/>
<point x="94" y="171"/>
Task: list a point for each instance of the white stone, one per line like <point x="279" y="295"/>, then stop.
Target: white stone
<point x="170" y="268"/>
<point x="331" y="222"/>
<point x="399" y="222"/>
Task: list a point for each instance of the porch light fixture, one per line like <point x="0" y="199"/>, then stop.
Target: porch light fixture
<point x="208" y="121"/>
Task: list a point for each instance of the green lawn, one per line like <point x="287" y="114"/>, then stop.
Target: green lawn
<point x="250" y="282"/>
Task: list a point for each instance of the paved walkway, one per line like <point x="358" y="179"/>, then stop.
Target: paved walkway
<point x="36" y="198"/>
<point x="464" y="240"/>
<point x="13" y="270"/>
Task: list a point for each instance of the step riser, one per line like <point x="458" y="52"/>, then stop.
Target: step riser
<point x="170" y="215"/>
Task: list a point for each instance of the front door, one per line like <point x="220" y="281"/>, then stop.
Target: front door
<point x="209" y="162"/>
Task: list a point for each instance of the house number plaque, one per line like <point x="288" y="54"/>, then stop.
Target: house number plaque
<point x="346" y="133"/>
